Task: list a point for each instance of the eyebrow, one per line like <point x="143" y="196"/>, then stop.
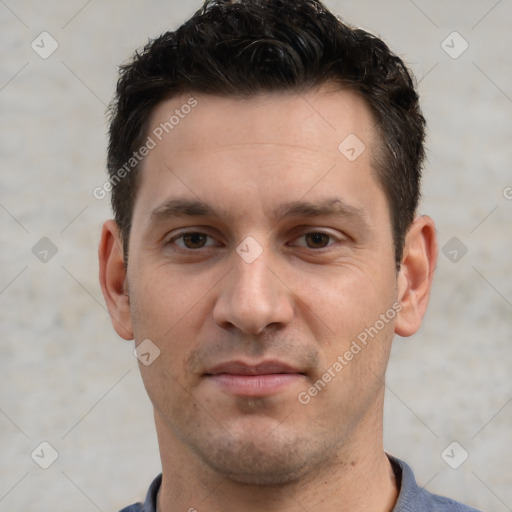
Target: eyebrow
<point x="182" y="208"/>
<point x="325" y="207"/>
<point x="175" y="208"/>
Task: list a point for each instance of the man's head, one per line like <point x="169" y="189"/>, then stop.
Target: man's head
<point x="262" y="266"/>
<point x="245" y="49"/>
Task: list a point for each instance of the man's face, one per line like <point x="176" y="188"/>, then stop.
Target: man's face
<point x="259" y="252"/>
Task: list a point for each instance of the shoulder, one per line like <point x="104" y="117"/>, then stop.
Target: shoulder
<point x="137" y="507"/>
<point x="413" y="498"/>
<point x="442" y="504"/>
<point x="149" y="504"/>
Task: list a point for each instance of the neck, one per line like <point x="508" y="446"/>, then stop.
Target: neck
<point x="355" y="478"/>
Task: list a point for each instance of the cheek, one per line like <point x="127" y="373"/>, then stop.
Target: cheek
<point x="170" y="320"/>
<point x="160" y="314"/>
<point x="160" y="299"/>
<point x="171" y="310"/>
<point x="351" y="375"/>
<point x="354" y="315"/>
<point x="346" y="302"/>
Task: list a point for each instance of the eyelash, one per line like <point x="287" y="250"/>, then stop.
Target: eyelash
<point x="332" y="239"/>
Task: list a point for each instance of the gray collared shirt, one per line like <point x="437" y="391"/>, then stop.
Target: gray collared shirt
<point x="412" y="498"/>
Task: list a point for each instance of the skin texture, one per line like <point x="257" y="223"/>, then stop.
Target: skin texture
<point x="319" y="282"/>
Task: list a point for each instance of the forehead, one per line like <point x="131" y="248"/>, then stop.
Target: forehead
<point x="278" y="144"/>
<point x="317" y="120"/>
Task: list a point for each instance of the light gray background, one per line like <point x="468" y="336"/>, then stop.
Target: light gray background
<point x="66" y="377"/>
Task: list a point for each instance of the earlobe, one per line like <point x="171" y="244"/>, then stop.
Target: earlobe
<point x="113" y="279"/>
<point x="416" y="275"/>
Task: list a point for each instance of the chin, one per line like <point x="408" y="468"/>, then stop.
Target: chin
<point x="265" y="461"/>
<point x="250" y="465"/>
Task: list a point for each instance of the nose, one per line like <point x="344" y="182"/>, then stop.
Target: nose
<point x="253" y="297"/>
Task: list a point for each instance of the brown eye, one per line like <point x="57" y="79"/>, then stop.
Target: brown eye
<point x="317" y="240"/>
<point x="194" y="240"/>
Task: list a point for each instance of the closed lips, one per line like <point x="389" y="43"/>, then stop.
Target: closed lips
<point x="263" y="368"/>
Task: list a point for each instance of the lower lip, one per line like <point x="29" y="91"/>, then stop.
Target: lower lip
<point x="255" y="385"/>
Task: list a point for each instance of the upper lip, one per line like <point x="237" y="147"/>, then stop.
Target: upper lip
<point x="267" y="367"/>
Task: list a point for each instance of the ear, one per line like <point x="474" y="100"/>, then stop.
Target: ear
<point x="416" y="275"/>
<point x="113" y="279"/>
